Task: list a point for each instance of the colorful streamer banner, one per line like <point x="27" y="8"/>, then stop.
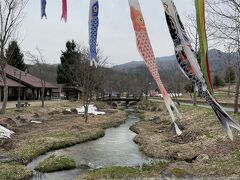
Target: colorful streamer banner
<point x="200" y="15"/>
<point x="146" y="51"/>
<point x="188" y="63"/>
<point x="93" y="29"/>
<point x="43" y="8"/>
<point x="64" y="10"/>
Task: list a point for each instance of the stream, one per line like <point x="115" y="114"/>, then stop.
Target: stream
<point x="116" y="148"/>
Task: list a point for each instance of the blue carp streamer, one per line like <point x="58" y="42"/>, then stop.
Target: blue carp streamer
<point x="93" y="29"/>
<point x="43" y="8"/>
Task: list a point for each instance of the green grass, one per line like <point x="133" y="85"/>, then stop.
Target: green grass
<point x="10" y="171"/>
<point x="38" y="146"/>
<point x="125" y="172"/>
<point x="12" y="111"/>
<point x="56" y="163"/>
<point x="35" y="146"/>
<point x="121" y="108"/>
<point x="148" y="105"/>
<point x="116" y="124"/>
<point x="238" y="155"/>
<point x="179" y="173"/>
<point x="140" y="113"/>
<point x="209" y="135"/>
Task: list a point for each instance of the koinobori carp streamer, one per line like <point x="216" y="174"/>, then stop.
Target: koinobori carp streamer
<point x="188" y="63"/>
<point x="203" y="53"/>
<point x="93" y="29"/>
<point x="146" y="51"/>
<point x="64" y="10"/>
<point x="43" y="8"/>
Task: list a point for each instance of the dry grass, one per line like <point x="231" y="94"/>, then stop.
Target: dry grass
<point x="203" y="135"/>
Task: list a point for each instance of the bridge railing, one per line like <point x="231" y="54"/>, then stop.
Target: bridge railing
<point x="119" y="98"/>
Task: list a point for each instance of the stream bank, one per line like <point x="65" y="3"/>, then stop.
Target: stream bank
<point x="56" y="131"/>
<point x="203" y="150"/>
<point x="116" y="148"/>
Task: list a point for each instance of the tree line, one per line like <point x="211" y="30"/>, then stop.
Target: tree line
<point x="223" y="21"/>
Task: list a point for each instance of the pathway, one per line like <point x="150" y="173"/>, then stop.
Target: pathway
<point x="12" y="104"/>
<point x="229" y="109"/>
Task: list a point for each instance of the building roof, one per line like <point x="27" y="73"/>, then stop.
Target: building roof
<point x="73" y="88"/>
<point x="10" y="83"/>
<point x="26" y="79"/>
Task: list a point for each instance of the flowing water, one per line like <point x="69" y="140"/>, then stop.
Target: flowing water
<point x="116" y="148"/>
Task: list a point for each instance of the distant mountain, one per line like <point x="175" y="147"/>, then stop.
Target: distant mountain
<point x="218" y="61"/>
<point x="167" y="60"/>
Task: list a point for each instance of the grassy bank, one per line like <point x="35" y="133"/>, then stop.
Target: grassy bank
<point x="56" y="163"/>
<point x="61" y="132"/>
<point x="35" y="147"/>
<point x="10" y="171"/>
<point x="56" y="131"/>
<point x="203" y="149"/>
<point x="126" y="172"/>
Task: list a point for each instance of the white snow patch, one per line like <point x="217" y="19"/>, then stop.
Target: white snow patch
<point x="37" y="122"/>
<point x="91" y="110"/>
<point x="5" y="133"/>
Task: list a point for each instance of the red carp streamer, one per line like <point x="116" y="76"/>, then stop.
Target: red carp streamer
<point x="64" y="10"/>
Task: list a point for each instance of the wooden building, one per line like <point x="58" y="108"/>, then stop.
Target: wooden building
<point x="30" y="86"/>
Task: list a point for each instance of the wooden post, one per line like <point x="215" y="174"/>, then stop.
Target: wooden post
<point x="39" y="94"/>
<point x="51" y="92"/>
<point x="0" y="94"/>
<point x="24" y="94"/>
<point x="33" y="94"/>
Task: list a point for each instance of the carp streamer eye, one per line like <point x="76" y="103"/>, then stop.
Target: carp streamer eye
<point x="95" y="9"/>
<point x="140" y="20"/>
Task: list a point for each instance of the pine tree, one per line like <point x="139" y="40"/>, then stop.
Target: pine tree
<point x="64" y="71"/>
<point x="15" y="57"/>
<point x="218" y="81"/>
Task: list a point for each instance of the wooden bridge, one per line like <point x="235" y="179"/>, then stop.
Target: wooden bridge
<point x="126" y="99"/>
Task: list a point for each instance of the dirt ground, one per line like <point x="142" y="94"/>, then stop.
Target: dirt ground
<point x="203" y="150"/>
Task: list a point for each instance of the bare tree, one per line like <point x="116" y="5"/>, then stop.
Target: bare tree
<point x="40" y="62"/>
<point x="11" y="16"/>
<point x="176" y="83"/>
<point x="225" y="19"/>
<point x="229" y="66"/>
<point x="88" y="78"/>
<point x="191" y="28"/>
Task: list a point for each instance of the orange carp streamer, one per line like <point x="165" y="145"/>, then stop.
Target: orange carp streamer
<point x="146" y="51"/>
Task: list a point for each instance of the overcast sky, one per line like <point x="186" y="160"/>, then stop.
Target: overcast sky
<point x="116" y="36"/>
